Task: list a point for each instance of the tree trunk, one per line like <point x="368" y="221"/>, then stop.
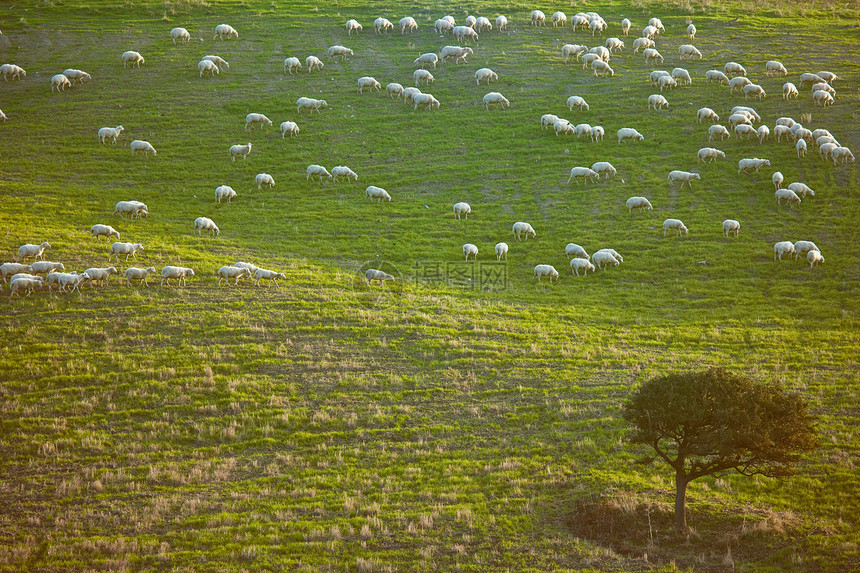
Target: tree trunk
<point x="681" y="501"/>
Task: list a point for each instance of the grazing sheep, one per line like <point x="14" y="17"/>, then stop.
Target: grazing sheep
<point x="801" y="189"/>
<point x="803" y="247"/>
<point x="226" y="273"/>
<point x="601" y="68"/>
<point x="739" y="83"/>
<point x="716" y="76"/>
<point x="443" y="26"/>
<point x="789" y="90"/>
<point x="577" y="264"/>
<point x="501" y="250"/>
<point x="657" y="101"/>
<point x="821" y="86"/>
<point x="755" y="91"/>
<point x="271" y="276"/>
<point x="572" y="51"/>
<point x="464" y="32"/>
<point x="521" y="229"/>
<point x="666" y="82"/>
<point x="3" y="115"/>
<point x="801" y="133"/>
<point x="319" y="171"/>
<point x="583" y="172"/>
<point x="613" y="44"/>
<point x="576" y="251"/>
<point x="682" y="176"/>
<point x="822" y="98"/>
<point x="428" y="58"/>
<point x="371" y="275"/>
<point x="601" y="167"/>
<point x="825" y="150"/>
<point x="482" y="25"/>
<point x="45" y="267"/>
<point x="642" y="44"/>
<point x="313" y="63"/>
<point x="79" y="76"/>
<point x="408" y="93"/>
<point x="596" y="24"/>
<point x="625" y="26"/>
<point x="734" y="69"/>
<point x="462" y="209"/>
<point x="343" y="172"/>
<point x="731" y="226"/>
<point x="604" y="257"/>
<point x="628" y="133"/>
<point x="562" y="126"/>
<point x="674" y="225"/>
<point x="223" y="31"/>
<point x="353" y="26"/>
<point x="378" y="193"/>
<point x="256" y="118"/>
<point x="688" y="52"/>
<point x="11" y="269"/>
<point x="786" y="195"/>
<point x="394" y="90"/>
<point x="737" y="119"/>
<point x="495" y="98"/>
<point x="582" y="129"/>
<point x="546" y="271"/>
<point x="501" y="23"/>
<point x="110" y="132"/>
<point x="745" y="165"/>
<point x="456" y="52"/>
<point x="657" y="24"/>
<point x="559" y="19"/>
<point x="264" y="179"/>
<point x="131" y="208"/>
<point x="588" y="59"/>
<point x="207" y="66"/>
<point x="243" y="150"/>
<point x="641" y="203"/>
<point x="682" y="75"/>
<point x="60" y="82"/>
<point x="652" y="55"/>
<point x="828" y="77"/>
<point x="145" y="146"/>
<point x="538" y="18"/>
<point x="29" y="250"/>
<point x="138" y="274"/>
<point x="382" y="25"/>
<point x="814" y="257"/>
<point x="290" y="127"/>
<point x="718" y="130"/>
<point x="810" y="79"/>
<point x="103" y="231"/>
<point x="133" y="58"/>
<point x="841" y="155"/>
<point x="655" y="76"/>
<point x="180" y="34"/>
<point x="24" y="283"/>
<point x="707" y="113"/>
<point x="178" y="273"/>
<point x="782" y="248"/>
<point x="777" y="179"/>
<point x="407" y="23"/>
<point x="422" y="76"/>
<point x="773" y="68"/>
<point x="332" y="53"/>
<point x="218" y="61"/>
<point x="801" y="148"/>
<point x="292" y="63"/>
<point x="597" y="133"/>
<point x="422" y="99"/>
<point x="310" y="104"/>
<point x="781" y="130"/>
<point x="691" y="31"/>
<point x="744" y="129"/>
<point x="12" y="71"/>
<point x="205" y="224"/>
<point x="649" y="32"/>
<point x="709" y="155"/>
<point x="485" y="74"/>
<point x="251" y="267"/>
<point x="470" y="250"/>
<point x="127" y="249"/>
<point x="102" y="275"/>
<point x="368" y="82"/>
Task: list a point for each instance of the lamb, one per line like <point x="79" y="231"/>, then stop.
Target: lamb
<point x="538" y="18"/>
<point x="24" y="283"/>
<point x="575" y="251"/>
<point x="407" y="23"/>
<point x="734" y="69"/>
<point x="59" y="81"/>
<point x="546" y="271"/>
<point x="226" y="273"/>
<point x="682" y="176"/>
<point x="257" y="118"/>
<point x="625" y="26"/>
<point x="332" y="53"/>
<point x="264" y="179"/>
<point x="572" y="51"/>
<point x="271" y="276"/>
<point x="442" y="26"/>
<point x="716" y="76"/>
<point x="597" y="133"/>
<point x="464" y="32"/>
<point x="207" y="66"/>
<point x="652" y="55"/>
<point x="601" y="167"/>
<point x="485" y="74"/>
<point x="744" y="129"/>
<point x="822" y="98"/>
<point x="786" y="195"/>
<point x="371" y="275"/>
<point x="422" y="99"/>
<point x="224" y="192"/>
<point x="29" y="250"/>
<point x="225" y="30"/>
<point x="110" y="132"/>
<point x="218" y="61"/>
<point x="456" y="52"/>
<point x="562" y="126"/>
<point x="754" y="90"/>
<point x="133" y="58"/>
<point x="127" y="249"/>
<point x="782" y="248"/>
<point x="731" y="226"/>
<point x="628" y="133"/>
<point x="422" y="76"/>
<point x="379" y="193"/>
<point x="789" y="90"/>
<point x="801" y="189"/>
<point x="601" y="68"/>
<point x="243" y="150"/>
<point x="810" y="79"/>
<point x="138" y="274"/>
<point x="94" y="275"/>
<point x="709" y="154"/>
<point x="462" y="209"/>
<point x="12" y="71"/>
<point x="521" y="229"/>
<point x="353" y="26"/>
<point x="103" y="231"/>
<point x="777" y="179"/>
<point x="841" y="155"/>
<point x="666" y="82"/>
<point x="495" y="98"/>
<point x="382" y="25"/>
<point x="744" y="165"/>
<point x="602" y="258"/>
<point x="470" y="250"/>
<point x="292" y="63"/>
<point x="180" y="34"/>
<point x="501" y="250"/>
<point x="145" y="146"/>
<point x="501" y="23"/>
<point x="814" y="257"/>
<point x="707" y="113"/>
<point x="311" y="104"/>
<point x="675" y="225"/>
<point x="428" y="58"/>
<point x="801" y="148"/>
<point x="343" y="172"/>
<point x="583" y="172"/>
<point x="803" y="247"/>
<point x="689" y="52"/>
<point x="319" y="171"/>
<point x="394" y="90"/>
<point x="638" y="203"/>
<point x="11" y="269"/>
<point x="290" y="127"/>
<point x="178" y="273"/>
<point x="657" y="101"/>
<point x="482" y="25"/>
<point x="613" y="44"/>
<point x="368" y="82"/>
<point x="682" y="75"/>
<point x="205" y="224"/>
<point x="739" y="83"/>
<point x="313" y="63"/>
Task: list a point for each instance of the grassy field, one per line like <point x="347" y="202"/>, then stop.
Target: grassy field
<point x="466" y="418"/>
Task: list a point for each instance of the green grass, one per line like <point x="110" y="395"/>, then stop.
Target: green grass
<point x="324" y="426"/>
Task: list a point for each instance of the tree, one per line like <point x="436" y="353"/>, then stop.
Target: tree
<point x="702" y="423"/>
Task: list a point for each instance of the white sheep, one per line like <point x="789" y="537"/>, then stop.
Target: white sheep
<point x="709" y="154"/>
<point x="786" y="121"/>
<point x="773" y="68"/>
<point x="649" y="32"/>
<point x="801" y="248"/>
<point x="12" y="71"/>
<point x="582" y="129"/>
<point x="625" y="26"/>
<point x="290" y="127"/>
<point x="521" y="229"/>
<point x="583" y="172"/>
<point x="313" y="63"/>
<point x="145" y="146"/>
<point x="561" y="125"/>
<point x="30" y="250"/>
<point x="422" y="76"/>
<point x="226" y="273"/>
<point x="429" y="58"/>
<point x="251" y="267"/>
<point x="755" y="91"/>
<point x="588" y="59"/>
<point x="482" y="24"/>
<point x="682" y="176"/>
<point x="443" y="26"/>
<point x="408" y="23"/>
<point x="133" y="58"/>
<point x="343" y="172"/>
<point x="25" y="284"/>
<point x="762" y="133"/>
<point x="602" y="52"/>
<point x="394" y="90"/>
<point x="463" y="33"/>
<point x="744" y="129"/>
<point x="59" y="81"/>
<point x="264" y="179"/>
<point x="271" y="276"/>
<point x="180" y="34"/>
<point x="801" y="148"/>
<point x="782" y="248"/>
<point x="408" y="93"/>
<point x="178" y="273"/>
<point x="601" y="68"/>
<point x="353" y="26"/>
<point x="657" y="24"/>
<point x="99" y="274"/>
<point x="371" y="275"/>
<point x="666" y="82"/>
<point x="11" y="269"/>
<point x="79" y="76"/>
<point x="810" y="79"/>
<point x="110" y="132"/>
<point x="800" y="133"/>
<point x="131" y="208"/>
<point x="734" y="69"/>
<point x="786" y="195"/>
<point x="652" y="55"/>
<point x="789" y="90"/>
<point x="575" y="251"/>
<point x="674" y="225"/>
<point x="642" y="44"/>
<point x="456" y="52"/>
<point x="602" y="258"/>
<point x="820" y="86"/>
<point x="501" y="250"/>
<point x="205" y="224"/>
<point x="103" y="231"/>
<point x="613" y="44"/>
<point x="538" y="18"/>
<point x="256" y="119"/>
<point x="738" y="83"/>
<point x="332" y="53"/>
<point x="225" y="31"/>
<point x="495" y="98"/>
<point x="138" y="274"/>
<point x="828" y="77"/>
<point x="739" y="118"/>
<point x="485" y="74"/>
<point x="655" y="76"/>
<point x="707" y="113"/>
<point x="842" y="155"/>
<point x="546" y="271"/>
<point x="45" y="267"/>
<point x="238" y="149"/>
<point x="688" y="52"/>
<point x="218" y="61"/>
<point x="3" y="115"/>
<point x="802" y="189"/>
<point x="319" y="171"/>
<point x="814" y="257"/>
<point x="572" y="51"/>
<point x="596" y="24"/>
<point x="826" y="149"/>
<point x="822" y="98"/>
<point x="378" y="193"/>
<point x="682" y="75"/>
<point x="470" y="250"/>
<point x="501" y="23"/>
<point x="583" y="265"/>
<point x="716" y="76"/>
<point x="731" y="226"/>
<point x="657" y="101"/>
<point x="747" y="164"/>
<point x="382" y="25"/>
<point x="597" y="133"/>
<point x="638" y="203"/>
<point x="629" y="134"/>
<point x="781" y="131"/>
<point x="368" y="82"/>
<point x="604" y="167"/>
<point x="559" y="19"/>
<point x="127" y="249"/>
<point x="462" y="209"/>
<point x="422" y="99"/>
<point x="292" y="63"/>
<point x="207" y="66"/>
<point x="777" y="179"/>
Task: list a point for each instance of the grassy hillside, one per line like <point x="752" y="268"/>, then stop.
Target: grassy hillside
<point x="466" y="417"/>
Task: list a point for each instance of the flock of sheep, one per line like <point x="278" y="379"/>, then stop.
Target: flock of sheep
<point x="25" y="278"/>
